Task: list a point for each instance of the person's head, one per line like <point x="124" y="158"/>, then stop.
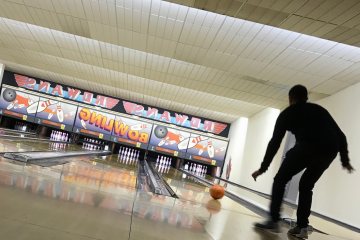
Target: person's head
<point x="298" y="93"/>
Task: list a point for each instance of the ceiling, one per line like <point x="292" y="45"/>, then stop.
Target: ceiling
<point x="209" y="63"/>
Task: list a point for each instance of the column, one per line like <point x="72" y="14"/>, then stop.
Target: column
<point x="2" y="68"/>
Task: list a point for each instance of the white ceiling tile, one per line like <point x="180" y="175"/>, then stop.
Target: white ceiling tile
<point x="174" y="56"/>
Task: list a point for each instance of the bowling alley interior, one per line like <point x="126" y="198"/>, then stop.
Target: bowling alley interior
<point x="145" y="119"/>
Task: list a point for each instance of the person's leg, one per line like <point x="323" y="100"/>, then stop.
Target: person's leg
<point x="307" y="182"/>
<point x="294" y="162"/>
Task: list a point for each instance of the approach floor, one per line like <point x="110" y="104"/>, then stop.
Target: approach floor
<point x="96" y="198"/>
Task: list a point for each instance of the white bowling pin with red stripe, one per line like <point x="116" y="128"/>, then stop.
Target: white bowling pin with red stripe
<point x="220" y="149"/>
<point x="192" y="142"/>
<point x="60" y="112"/>
<point x="183" y="144"/>
<point x="210" y="149"/>
<point x="138" y="127"/>
<point x="32" y="108"/>
<point x="44" y="104"/>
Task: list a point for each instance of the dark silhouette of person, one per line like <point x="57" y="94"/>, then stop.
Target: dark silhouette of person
<point x="318" y="140"/>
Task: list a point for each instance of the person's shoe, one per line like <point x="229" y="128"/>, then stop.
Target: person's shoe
<point x="268" y="225"/>
<point x="299" y="232"/>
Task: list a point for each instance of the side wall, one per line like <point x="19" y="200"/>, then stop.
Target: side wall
<point x="260" y="129"/>
<point x="235" y="152"/>
<point x="337" y="194"/>
<point x="2" y="68"/>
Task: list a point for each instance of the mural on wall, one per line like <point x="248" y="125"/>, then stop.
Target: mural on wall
<point x="115" y="104"/>
<point x="169" y="140"/>
<point x="56" y="114"/>
<point x="18" y="104"/>
<point x="94" y="123"/>
<point x="206" y="149"/>
<point x="132" y="132"/>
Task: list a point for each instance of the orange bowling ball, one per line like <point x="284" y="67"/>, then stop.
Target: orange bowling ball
<point x="217" y="191"/>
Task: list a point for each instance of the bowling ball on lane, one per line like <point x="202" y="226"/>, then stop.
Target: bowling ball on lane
<point x="160" y="131"/>
<point x="9" y="95"/>
<point x="217" y="191"/>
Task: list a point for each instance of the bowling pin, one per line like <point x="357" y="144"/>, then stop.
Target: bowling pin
<point x="162" y="142"/>
<point x="10" y="106"/>
<point x="122" y="151"/>
<point x="201" y="151"/>
<point x="138" y="127"/>
<point x="158" y="159"/>
<point x="186" y="166"/>
<point x="83" y="123"/>
<point x="220" y="149"/>
<point x="32" y="108"/>
<point x="198" y="169"/>
<point x="43" y="105"/>
<point x="183" y="144"/>
<point x="210" y="149"/>
<point x="59" y="112"/>
<point x="162" y="160"/>
<point x="195" y="140"/>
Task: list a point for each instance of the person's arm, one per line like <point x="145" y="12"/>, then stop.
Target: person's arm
<point x="274" y="143"/>
<point x="344" y="153"/>
<point x="343" y="146"/>
<point x="273" y="146"/>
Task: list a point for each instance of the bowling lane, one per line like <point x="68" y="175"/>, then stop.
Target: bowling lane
<point x="190" y="189"/>
<point x="22" y="145"/>
<point x="14" y="133"/>
<point x="87" y="198"/>
<point x="190" y="216"/>
<point x="96" y="198"/>
<point x="288" y="211"/>
<point x="196" y="215"/>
